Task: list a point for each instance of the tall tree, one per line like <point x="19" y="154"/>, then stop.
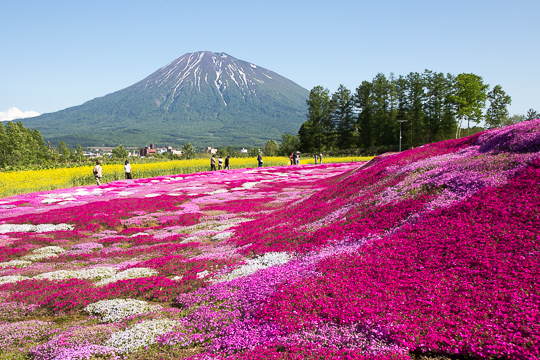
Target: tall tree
<point x="382" y="127"/>
<point x="532" y="114"/>
<point x="497" y="113"/>
<point x="188" y="151"/>
<point x="289" y="144"/>
<point x="415" y="108"/>
<point x="320" y="117"/>
<point x="308" y="138"/>
<point x="364" y="103"/>
<point x="437" y="91"/>
<point x="120" y="152"/>
<point x="63" y="150"/>
<point x="343" y="117"/>
<point x="79" y="153"/>
<point x="470" y="98"/>
<point x="271" y="148"/>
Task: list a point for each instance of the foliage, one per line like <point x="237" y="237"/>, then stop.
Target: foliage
<point x="188" y="151"/>
<point x="532" y="114"/>
<point x="21" y="146"/>
<point x="432" y="104"/>
<point x="271" y="148"/>
<point x="119" y="152"/>
<point x="470" y="97"/>
<point x="317" y="132"/>
<point x="497" y="112"/>
<point x="289" y="144"/>
<point x="254" y="152"/>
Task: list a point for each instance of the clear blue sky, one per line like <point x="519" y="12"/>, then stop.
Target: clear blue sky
<point x="57" y="54"/>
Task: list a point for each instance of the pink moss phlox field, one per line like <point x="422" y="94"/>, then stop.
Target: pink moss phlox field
<point x="432" y="250"/>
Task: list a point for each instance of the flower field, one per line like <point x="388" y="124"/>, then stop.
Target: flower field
<point x="434" y="251"/>
<point x="20" y="182"/>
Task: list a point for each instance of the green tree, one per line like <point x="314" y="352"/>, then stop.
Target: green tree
<point x="271" y="148"/>
<point x="320" y="118"/>
<point x="470" y="98"/>
<point x="119" y="152"/>
<point x="307" y="138"/>
<point x="514" y="119"/>
<point x="232" y="152"/>
<point x="363" y="99"/>
<point x="188" y="151"/>
<point x="415" y="108"/>
<point x="21" y="146"/>
<point x="381" y="124"/>
<point x="532" y="114"/>
<point x="497" y="113"/>
<point x="438" y="91"/>
<point x="222" y="152"/>
<point x="343" y="117"/>
<point x="254" y="152"/>
<point x="79" y="153"/>
<point x="289" y="144"/>
<point x="63" y="150"/>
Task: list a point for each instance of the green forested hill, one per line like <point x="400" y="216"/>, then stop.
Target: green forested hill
<point x="204" y="98"/>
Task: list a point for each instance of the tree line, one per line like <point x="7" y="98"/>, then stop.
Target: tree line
<point x="423" y="107"/>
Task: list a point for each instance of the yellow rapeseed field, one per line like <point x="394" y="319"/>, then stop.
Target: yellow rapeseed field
<point x="20" y="182"/>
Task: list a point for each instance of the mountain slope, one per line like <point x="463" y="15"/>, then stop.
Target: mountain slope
<point x="204" y="98"/>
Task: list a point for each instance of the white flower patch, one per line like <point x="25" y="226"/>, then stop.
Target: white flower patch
<point x="247" y="185"/>
<point x="6" y="228"/>
<point x="141" y="334"/>
<point x="190" y="239"/>
<point x="49" y="250"/>
<point x="253" y="265"/>
<point x="132" y="273"/>
<point x="125" y="193"/>
<point x="203" y="274"/>
<point x="139" y="234"/>
<point x="222" y="236"/>
<point x="219" y="191"/>
<point x="12" y="279"/>
<point x="151" y="195"/>
<point x="16" y="263"/>
<point x="94" y="273"/>
<point x="38" y="257"/>
<point x="118" y="309"/>
<point x="46" y="252"/>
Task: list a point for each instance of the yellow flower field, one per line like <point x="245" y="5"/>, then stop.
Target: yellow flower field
<point x="20" y="182"/>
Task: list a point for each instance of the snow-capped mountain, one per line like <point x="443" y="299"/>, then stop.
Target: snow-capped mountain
<point x="208" y="99"/>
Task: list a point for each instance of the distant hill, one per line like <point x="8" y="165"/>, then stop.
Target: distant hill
<point x="208" y="99"/>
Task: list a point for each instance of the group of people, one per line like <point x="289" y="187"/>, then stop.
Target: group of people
<point x="98" y="171"/>
<point x="221" y="164"/>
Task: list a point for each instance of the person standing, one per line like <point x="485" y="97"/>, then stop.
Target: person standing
<point x="127" y="169"/>
<point x="260" y="160"/>
<point x="297" y="158"/>
<point x="213" y="163"/>
<point x="220" y="163"/>
<point x="227" y="159"/>
<point x="294" y="157"/>
<point x="315" y="159"/>
<point x="97" y="172"/>
<point x="320" y="158"/>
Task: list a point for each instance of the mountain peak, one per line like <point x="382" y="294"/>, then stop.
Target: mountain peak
<point x="206" y="98"/>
